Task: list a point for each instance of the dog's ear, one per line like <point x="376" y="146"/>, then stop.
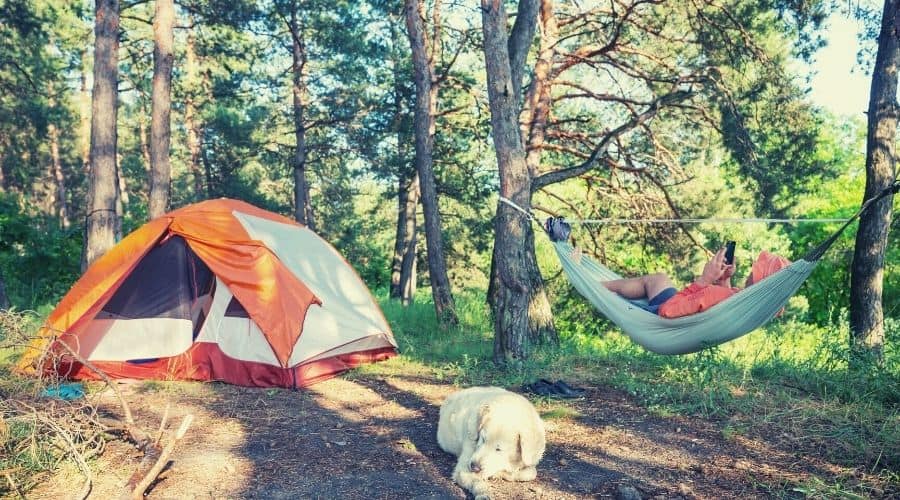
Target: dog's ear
<point x="484" y="416"/>
<point x="531" y="443"/>
<point x="524" y="452"/>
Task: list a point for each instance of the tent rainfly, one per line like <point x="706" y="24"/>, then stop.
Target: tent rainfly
<point x="219" y="290"/>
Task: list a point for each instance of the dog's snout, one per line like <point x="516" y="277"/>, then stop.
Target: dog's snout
<point x="474" y="466"/>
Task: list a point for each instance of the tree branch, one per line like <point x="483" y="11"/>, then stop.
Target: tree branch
<point x="567" y="173"/>
<point x="520" y="41"/>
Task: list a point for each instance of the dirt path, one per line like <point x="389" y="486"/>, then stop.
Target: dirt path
<point x="375" y="438"/>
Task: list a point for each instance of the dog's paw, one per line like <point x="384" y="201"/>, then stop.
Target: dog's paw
<point x="526" y="474"/>
<point x="523" y="474"/>
<point x="480" y="490"/>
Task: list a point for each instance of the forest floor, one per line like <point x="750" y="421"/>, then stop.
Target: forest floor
<point x="373" y="436"/>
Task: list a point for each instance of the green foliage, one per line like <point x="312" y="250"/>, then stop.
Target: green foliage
<point x="360" y="233"/>
<point x="38" y="261"/>
<point x="828" y="289"/>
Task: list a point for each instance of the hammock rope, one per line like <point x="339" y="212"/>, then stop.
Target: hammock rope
<point x="708" y="220"/>
<point x="734" y="317"/>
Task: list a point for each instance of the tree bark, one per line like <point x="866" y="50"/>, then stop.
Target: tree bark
<point x="518" y="302"/>
<point x="85" y="114"/>
<point x="302" y="206"/>
<point x="60" y="204"/>
<point x="425" y="107"/>
<point x="207" y="165"/>
<point x="403" y="276"/>
<point x="4" y="299"/>
<point x="519" y="42"/>
<point x="2" y="175"/>
<point x="192" y="120"/>
<point x="867" y="274"/>
<point x="121" y="200"/>
<point x="144" y="138"/>
<point x="537" y="103"/>
<point x="101" y="214"/>
<point x="160" y="115"/>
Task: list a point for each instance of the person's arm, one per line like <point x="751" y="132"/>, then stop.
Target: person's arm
<point x="710" y="288"/>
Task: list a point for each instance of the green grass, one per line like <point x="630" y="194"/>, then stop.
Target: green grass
<point x="560" y="412"/>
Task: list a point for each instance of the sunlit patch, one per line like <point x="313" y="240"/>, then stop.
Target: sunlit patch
<point x="432" y="393"/>
<point x="356" y="403"/>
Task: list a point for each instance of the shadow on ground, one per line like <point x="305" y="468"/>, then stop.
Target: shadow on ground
<point x="374" y="437"/>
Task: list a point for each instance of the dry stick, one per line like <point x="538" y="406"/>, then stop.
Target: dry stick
<point x="76" y="455"/>
<point x="138" y="435"/>
<point x="13" y="485"/>
<point x="138" y="492"/>
<point x="162" y="426"/>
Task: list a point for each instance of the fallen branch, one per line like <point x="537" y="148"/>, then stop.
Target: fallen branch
<point x="142" y="486"/>
<point x="162" y="426"/>
<point x="139" y="436"/>
<point x="12" y="484"/>
<point x="64" y="434"/>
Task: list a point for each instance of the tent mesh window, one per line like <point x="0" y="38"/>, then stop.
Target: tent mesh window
<point x="169" y="282"/>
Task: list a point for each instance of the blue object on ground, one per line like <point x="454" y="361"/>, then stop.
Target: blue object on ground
<point x="67" y="392"/>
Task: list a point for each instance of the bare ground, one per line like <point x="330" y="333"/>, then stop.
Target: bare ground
<point x="374" y="437"/>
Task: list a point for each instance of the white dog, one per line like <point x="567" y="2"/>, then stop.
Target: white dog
<point x="494" y="432"/>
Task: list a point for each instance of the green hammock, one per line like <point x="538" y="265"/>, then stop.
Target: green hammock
<point x="738" y="315"/>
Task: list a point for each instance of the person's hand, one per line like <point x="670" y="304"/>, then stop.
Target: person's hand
<point x="727" y="273"/>
<point x="715" y="269"/>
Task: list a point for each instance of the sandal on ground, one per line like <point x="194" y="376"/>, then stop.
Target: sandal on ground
<point x="546" y="388"/>
<point x="568" y="389"/>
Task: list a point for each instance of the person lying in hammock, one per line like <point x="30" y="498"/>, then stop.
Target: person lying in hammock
<point x="713" y="285"/>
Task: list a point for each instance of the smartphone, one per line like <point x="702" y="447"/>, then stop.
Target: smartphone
<point x="729" y="253"/>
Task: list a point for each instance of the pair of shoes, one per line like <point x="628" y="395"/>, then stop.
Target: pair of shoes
<point x="568" y="390"/>
<point x="557" y="228"/>
<point x="559" y="389"/>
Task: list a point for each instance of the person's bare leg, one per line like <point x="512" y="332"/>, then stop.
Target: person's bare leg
<point x="641" y="287"/>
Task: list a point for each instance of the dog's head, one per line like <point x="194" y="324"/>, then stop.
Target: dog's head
<point x="505" y="441"/>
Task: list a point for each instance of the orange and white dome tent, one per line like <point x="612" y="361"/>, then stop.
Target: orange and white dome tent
<point x="219" y="290"/>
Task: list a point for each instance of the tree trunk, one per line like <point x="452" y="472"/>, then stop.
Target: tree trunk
<point x="207" y="166"/>
<point x="194" y="132"/>
<point x="192" y="120"/>
<point x="403" y="276"/>
<point x="85" y="114"/>
<point x="144" y="137"/>
<point x="302" y="205"/>
<point x="867" y="275"/>
<point x="121" y="200"/>
<point x="4" y="300"/>
<point x="516" y="295"/>
<point x="160" y="121"/>
<point x="426" y="104"/>
<point x="60" y="204"/>
<point x="2" y="175"/>
<point x="534" y="118"/>
<point x="100" y="226"/>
